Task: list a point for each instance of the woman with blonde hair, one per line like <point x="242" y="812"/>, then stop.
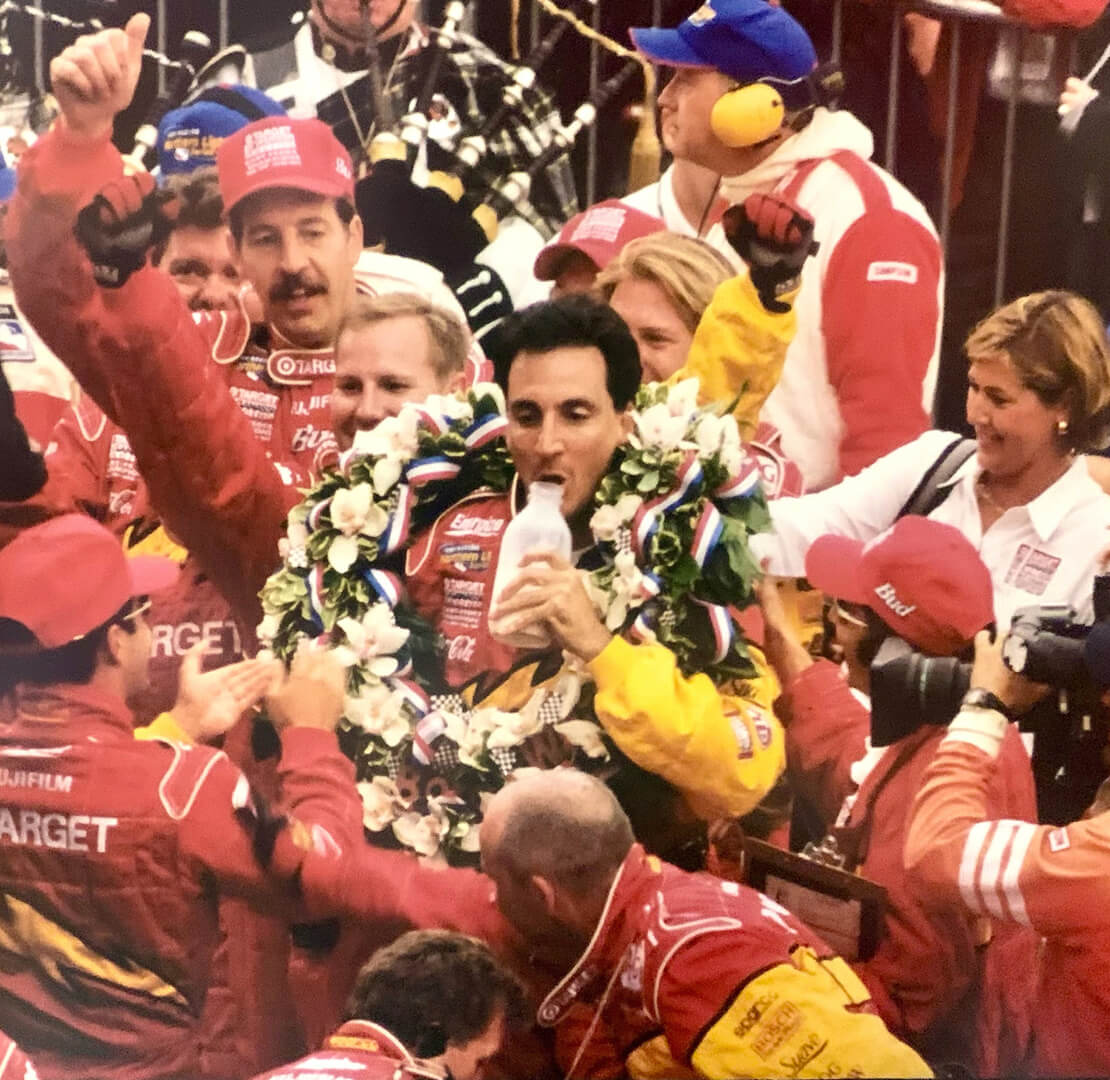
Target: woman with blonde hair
<point x="1038" y="398"/>
<point x="661" y="285"/>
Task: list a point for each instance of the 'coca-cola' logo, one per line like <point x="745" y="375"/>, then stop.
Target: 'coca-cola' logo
<point x="462" y="648"/>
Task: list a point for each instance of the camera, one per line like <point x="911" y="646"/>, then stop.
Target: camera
<point x="1045" y="644"/>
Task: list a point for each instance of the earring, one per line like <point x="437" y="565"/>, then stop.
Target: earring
<point x="1061" y="427"/>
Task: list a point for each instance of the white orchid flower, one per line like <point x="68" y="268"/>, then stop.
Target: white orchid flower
<point x="373" y="640"/>
<point x="380" y="711"/>
<point x="423" y="832"/>
<point x="682" y="398"/>
<point x="354" y="511"/>
<point x="469" y="733"/>
<point x="709" y="434"/>
<point x="386" y="473"/>
<point x="381" y="802"/>
<point x="585" y="735"/>
<point x="608" y="519"/>
<point x="468" y="836"/>
<point x="269" y="626"/>
<point x="342" y="553"/>
<point x="658" y="426"/>
<point x="513" y="728"/>
<point x="394" y="437"/>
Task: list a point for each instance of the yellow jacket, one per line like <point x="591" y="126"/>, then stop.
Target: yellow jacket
<point x="720" y="746"/>
<point x="738" y="350"/>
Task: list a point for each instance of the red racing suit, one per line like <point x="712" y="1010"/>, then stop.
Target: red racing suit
<point x="925" y="977"/>
<point x="113" y="852"/>
<point x="1050" y="878"/>
<point x="358" y="1049"/>
<point x="14" y="1063"/>
<point x="686" y="975"/>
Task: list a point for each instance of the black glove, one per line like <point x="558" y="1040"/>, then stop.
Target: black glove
<point x="124" y="221"/>
<point x="774" y="238"/>
<point x="421" y="223"/>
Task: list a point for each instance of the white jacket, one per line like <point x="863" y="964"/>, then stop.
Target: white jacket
<point x="860" y="374"/>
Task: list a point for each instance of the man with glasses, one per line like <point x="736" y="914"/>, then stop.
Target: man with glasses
<point x="113" y="850"/>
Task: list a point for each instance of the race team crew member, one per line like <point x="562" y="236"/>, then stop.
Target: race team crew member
<point x="433" y="1005"/>
<point x="1050" y="878"/>
<point x="113" y="850"/>
<point x="947" y="982"/>
<point x="860" y="373"/>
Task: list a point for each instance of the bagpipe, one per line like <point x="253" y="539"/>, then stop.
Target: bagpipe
<point x="389" y="191"/>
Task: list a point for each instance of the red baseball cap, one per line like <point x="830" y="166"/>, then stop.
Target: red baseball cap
<point x="282" y="151"/>
<point x="69" y="575"/>
<point x="599" y="232"/>
<point x="922" y="578"/>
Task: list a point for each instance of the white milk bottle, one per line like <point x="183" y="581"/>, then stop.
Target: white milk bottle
<point x="540" y="526"/>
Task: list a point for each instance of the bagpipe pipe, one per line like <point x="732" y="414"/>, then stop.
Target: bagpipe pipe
<point x="450" y="217"/>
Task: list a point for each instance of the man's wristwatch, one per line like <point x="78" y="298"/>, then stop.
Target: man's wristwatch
<point x="978" y="698"/>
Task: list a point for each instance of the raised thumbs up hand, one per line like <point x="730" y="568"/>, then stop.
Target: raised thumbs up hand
<point x="95" y="77"/>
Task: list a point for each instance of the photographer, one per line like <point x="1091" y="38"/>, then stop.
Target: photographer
<point x="916" y="596"/>
<point x="1053" y="879"/>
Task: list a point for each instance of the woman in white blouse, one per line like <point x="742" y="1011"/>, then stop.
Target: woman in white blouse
<point x="1038" y="398"/>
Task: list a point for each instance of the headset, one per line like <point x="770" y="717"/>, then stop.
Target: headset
<point x="752" y="114"/>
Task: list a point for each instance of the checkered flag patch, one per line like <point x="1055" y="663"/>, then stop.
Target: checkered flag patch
<point x="623" y="539"/>
<point x="551" y="709"/>
<point x="504" y="758"/>
<point x="394" y="763"/>
<point x="446" y="755"/>
<point x="452" y="703"/>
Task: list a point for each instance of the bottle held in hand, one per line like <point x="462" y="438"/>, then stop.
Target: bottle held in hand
<point x="540" y="526"/>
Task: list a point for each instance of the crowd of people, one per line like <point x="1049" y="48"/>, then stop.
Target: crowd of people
<point x="801" y="770"/>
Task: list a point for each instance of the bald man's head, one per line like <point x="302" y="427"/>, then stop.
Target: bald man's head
<point x="560" y="824"/>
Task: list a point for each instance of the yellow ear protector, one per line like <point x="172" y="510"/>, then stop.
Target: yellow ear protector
<point x="753" y="113"/>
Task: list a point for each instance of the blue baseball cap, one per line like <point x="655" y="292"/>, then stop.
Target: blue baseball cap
<point x="188" y="137"/>
<point x="743" y="39"/>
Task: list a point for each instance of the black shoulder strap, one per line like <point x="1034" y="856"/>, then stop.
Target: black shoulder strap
<point x="930" y="492"/>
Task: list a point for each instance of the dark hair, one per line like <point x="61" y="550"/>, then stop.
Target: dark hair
<point x="199" y="205"/>
<point x="433" y="989"/>
<point x="343" y="209"/>
<point x="578" y="319"/>
<point x="449" y="338"/>
<point x="74" y="662"/>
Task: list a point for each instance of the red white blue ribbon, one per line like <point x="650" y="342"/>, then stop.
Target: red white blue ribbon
<point x="744" y="483"/>
<point x="721" y="624"/>
<point x="315" y="583"/>
<point x="397" y="531"/>
<point x="413" y="695"/>
<point x="316" y="513"/>
<point x="486" y="430"/>
<point x="385" y="584"/>
<point x="646" y="521"/>
<point x="433" y="421"/>
<point x="707" y="534"/>
<point x="425" y="470"/>
<point x="425" y="734"/>
<point x="641" y="628"/>
<point x="650" y="586"/>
